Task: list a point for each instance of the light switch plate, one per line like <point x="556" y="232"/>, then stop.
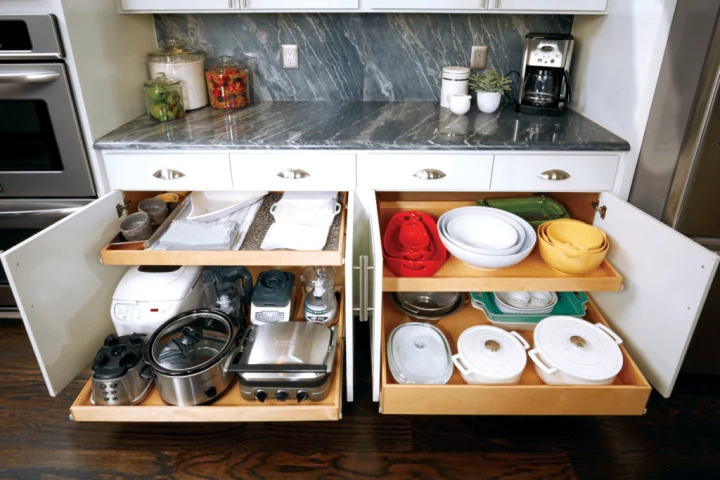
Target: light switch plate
<point x="478" y="58"/>
<point x="290" y="56"/>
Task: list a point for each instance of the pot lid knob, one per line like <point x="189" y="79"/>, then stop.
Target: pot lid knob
<point x="191" y="336"/>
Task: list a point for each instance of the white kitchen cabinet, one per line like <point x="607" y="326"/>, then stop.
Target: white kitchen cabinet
<point x="555" y="6"/>
<point x="663" y="278"/>
<point x="425" y="5"/>
<point x="143" y="6"/>
<point x="299" y="5"/>
<point x="64" y="294"/>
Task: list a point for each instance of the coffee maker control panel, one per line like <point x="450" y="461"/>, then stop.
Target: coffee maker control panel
<point x="549" y="54"/>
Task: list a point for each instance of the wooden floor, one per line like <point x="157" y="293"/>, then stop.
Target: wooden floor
<point x="678" y="438"/>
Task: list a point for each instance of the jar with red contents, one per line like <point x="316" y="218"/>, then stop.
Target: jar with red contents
<point x="227" y="85"/>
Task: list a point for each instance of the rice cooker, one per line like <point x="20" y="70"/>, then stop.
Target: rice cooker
<point x="148" y="296"/>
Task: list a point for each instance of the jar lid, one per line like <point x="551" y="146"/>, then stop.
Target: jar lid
<point x="419" y="353"/>
<point x="492" y="352"/>
<point x="191" y="341"/>
<point x="579" y="348"/>
<point x="456" y="73"/>
<point x="162" y="80"/>
<point x="226" y="63"/>
<point x="174" y="52"/>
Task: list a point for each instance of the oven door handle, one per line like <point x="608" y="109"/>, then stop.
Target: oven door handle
<point x="28" y="77"/>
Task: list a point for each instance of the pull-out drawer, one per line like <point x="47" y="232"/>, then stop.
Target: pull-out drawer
<point x="425" y="171"/>
<point x="308" y="171"/>
<point x="168" y="171"/>
<point x="628" y="395"/>
<point x="650" y="290"/>
<point x="554" y="173"/>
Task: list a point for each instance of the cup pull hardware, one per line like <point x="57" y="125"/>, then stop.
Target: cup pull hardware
<point x="554" y="175"/>
<point x="430" y="174"/>
<point x="168" y="174"/>
<point x="293" y="174"/>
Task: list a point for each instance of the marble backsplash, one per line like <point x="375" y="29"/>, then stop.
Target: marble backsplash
<point x="357" y="57"/>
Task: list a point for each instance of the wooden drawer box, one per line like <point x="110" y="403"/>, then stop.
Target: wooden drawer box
<point x="554" y="173"/>
<point x="425" y="171"/>
<point x="168" y="171"/>
<point x="306" y="171"/>
<point x="627" y="396"/>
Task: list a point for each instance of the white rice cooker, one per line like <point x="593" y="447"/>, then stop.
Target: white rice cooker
<point x="148" y="296"/>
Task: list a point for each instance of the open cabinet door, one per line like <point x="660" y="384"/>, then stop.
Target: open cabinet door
<point x="666" y="280"/>
<point x="63" y="291"/>
<point x="350" y="299"/>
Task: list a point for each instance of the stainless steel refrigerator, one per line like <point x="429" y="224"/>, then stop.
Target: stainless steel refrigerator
<point x="678" y="174"/>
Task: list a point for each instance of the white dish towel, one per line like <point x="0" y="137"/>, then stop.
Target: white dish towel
<point x="302" y="221"/>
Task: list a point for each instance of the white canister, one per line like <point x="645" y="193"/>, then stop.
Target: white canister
<point x="185" y="65"/>
<point x="571" y="351"/>
<point x="454" y="82"/>
<point x="491" y="356"/>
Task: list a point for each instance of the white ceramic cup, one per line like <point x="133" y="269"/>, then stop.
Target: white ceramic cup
<point x="459" y="103"/>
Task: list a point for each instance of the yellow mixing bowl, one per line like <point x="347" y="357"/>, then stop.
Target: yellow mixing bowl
<point x="579" y="236"/>
<point x="561" y="262"/>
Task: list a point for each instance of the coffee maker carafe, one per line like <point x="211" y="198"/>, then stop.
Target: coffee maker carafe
<point x="545" y="86"/>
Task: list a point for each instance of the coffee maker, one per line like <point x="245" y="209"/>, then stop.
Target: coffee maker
<point x="545" y="86"/>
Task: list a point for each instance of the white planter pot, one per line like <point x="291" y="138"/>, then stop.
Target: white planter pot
<point x="488" y="102"/>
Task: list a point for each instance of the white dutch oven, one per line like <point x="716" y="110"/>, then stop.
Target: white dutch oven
<point x="490" y="356"/>
<point x="571" y="351"/>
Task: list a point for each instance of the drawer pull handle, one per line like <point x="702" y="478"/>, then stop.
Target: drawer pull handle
<point x="554" y="175"/>
<point x="430" y="174"/>
<point x="293" y="174"/>
<point x="168" y="174"/>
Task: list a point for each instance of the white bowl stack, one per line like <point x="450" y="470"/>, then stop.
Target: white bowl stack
<point x="486" y="238"/>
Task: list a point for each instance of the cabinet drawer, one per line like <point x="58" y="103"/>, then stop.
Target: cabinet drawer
<point x="441" y="172"/>
<point x="627" y="396"/>
<point x="566" y="173"/>
<point x="307" y="171"/>
<point x="168" y="171"/>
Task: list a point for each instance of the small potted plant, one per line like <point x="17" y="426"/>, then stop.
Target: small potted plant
<point x="490" y="87"/>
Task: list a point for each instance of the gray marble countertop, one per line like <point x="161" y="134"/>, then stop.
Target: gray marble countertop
<point x="363" y="126"/>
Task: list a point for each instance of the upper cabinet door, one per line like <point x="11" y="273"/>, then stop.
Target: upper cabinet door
<point x="667" y="277"/>
<point x="63" y="291"/>
<point x="574" y="6"/>
<point x="300" y="5"/>
<point x="425" y="5"/>
<point x="178" y="5"/>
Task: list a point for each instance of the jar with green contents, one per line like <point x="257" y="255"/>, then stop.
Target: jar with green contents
<point x="164" y="98"/>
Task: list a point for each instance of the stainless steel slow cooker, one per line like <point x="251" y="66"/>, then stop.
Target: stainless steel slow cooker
<point x="286" y="361"/>
<point x="189" y="355"/>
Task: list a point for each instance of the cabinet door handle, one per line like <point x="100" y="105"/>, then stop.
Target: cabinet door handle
<point x="430" y="174"/>
<point x="497" y="4"/>
<point x="483" y="4"/>
<point x="245" y="3"/>
<point x="293" y="174"/>
<point x="168" y="174"/>
<point x="554" y="175"/>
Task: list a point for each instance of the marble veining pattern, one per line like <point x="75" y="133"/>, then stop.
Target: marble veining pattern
<point x="363" y="126"/>
<point x="356" y="57"/>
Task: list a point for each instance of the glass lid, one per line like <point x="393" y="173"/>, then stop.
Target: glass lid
<point x="419" y="353"/>
<point x="192" y="341"/>
<point x="226" y="63"/>
<point x="174" y="52"/>
<point x="161" y="80"/>
<point x="578" y="347"/>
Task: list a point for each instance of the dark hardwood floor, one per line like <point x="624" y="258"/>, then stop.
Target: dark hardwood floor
<point x="678" y="438"/>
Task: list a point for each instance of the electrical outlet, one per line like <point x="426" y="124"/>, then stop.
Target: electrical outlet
<point x="478" y="58"/>
<point x="290" y="56"/>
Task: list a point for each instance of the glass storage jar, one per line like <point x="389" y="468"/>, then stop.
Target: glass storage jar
<point x="227" y="85"/>
<point x="182" y="64"/>
<point x="164" y="98"/>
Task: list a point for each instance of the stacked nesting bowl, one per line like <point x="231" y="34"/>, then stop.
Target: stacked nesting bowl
<point x="486" y="238"/>
<point x="572" y="247"/>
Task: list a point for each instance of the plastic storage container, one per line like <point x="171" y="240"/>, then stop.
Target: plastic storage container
<point x="182" y="64"/>
<point x="164" y="98"/>
<point x="227" y="85"/>
<point x="535" y="210"/>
